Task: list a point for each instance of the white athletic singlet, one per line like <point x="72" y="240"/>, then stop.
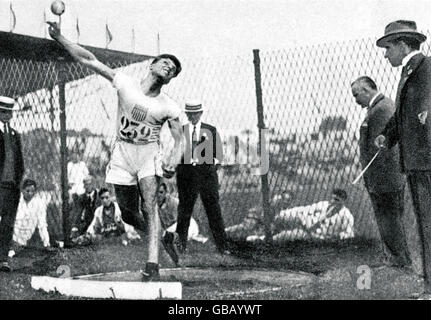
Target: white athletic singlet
<point x="136" y="153"/>
<point x="140" y="118"/>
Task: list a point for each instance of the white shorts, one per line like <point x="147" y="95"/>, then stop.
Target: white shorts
<point x="130" y="163"/>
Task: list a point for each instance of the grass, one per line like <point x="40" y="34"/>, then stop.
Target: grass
<point x="308" y="270"/>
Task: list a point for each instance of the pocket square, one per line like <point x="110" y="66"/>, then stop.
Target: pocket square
<point x="423" y="116"/>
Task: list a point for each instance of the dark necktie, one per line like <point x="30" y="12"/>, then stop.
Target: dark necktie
<point x="194" y="141"/>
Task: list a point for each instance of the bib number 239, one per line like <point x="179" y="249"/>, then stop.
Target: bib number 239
<point x="133" y="130"/>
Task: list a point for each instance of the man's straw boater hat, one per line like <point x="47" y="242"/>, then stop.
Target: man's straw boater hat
<point x="193" y="106"/>
<point x="7" y="103"/>
<point x="400" y="28"/>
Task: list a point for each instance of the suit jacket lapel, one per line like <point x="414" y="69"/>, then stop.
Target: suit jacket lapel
<point x="408" y="70"/>
<point x="188" y="148"/>
<point x="379" y="97"/>
<point x="202" y="131"/>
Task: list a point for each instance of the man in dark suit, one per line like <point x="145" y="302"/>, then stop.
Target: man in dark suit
<point x="384" y="181"/>
<point x="411" y="125"/>
<point x="11" y="172"/>
<point x="84" y="207"/>
<point x="197" y="174"/>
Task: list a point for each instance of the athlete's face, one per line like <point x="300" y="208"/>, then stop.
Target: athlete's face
<point x="164" y="68"/>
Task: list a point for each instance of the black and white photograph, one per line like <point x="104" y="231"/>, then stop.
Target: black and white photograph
<point x="215" y="150"/>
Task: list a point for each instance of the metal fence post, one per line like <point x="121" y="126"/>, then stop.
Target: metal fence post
<point x="261" y="147"/>
<point x="63" y="153"/>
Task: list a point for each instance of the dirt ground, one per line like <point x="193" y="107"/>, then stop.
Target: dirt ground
<point x="299" y="270"/>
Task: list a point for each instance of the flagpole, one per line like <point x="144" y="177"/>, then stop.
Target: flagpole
<point x="44" y="23"/>
<point x="158" y="43"/>
<point x="78" y="32"/>
<point x="133" y="39"/>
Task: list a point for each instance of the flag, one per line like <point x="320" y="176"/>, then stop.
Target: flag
<point x="133" y="40"/>
<point x="109" y="36"/>
<point x="78" y="32"/>
<point x="12" y="18"/>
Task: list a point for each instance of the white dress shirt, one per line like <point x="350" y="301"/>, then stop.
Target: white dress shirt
<point x="76" y="172"/>
<point x="31" y="215"/>
<point x="198" y="130"/>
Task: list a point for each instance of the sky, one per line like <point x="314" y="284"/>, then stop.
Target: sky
<point x="213" y="28"/>
<point x="228" y="31"/>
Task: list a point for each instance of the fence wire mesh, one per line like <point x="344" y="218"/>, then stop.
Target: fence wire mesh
<point x="311" y="117"/>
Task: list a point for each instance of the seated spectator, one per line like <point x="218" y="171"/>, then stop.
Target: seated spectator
<point x="77" y="170"/>
<point x="107" y="223"/>
<point x="168" y="210"/>
<point x="324" y="220"/>
<point x="84" y="207"/>
<point x="253" y="224"/>
<point x="31" y="214"/>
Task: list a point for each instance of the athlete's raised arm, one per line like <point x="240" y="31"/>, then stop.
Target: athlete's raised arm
<point x="80" y="54"/>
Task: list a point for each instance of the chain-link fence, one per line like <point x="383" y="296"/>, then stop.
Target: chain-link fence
<point x="311" y="118"/>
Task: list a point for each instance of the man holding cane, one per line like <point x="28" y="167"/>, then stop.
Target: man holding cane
<point x="383" y="178"/>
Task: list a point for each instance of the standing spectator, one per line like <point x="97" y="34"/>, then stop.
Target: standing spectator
<point x="11" y="172"/>
<point x="84" y="207"/>
<point x="197" y="174"/>
<point x="31" y="215"/>
<point x="384" y="181"/>
<point x="77" y="170"/>
<point x="410" y="126"/>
